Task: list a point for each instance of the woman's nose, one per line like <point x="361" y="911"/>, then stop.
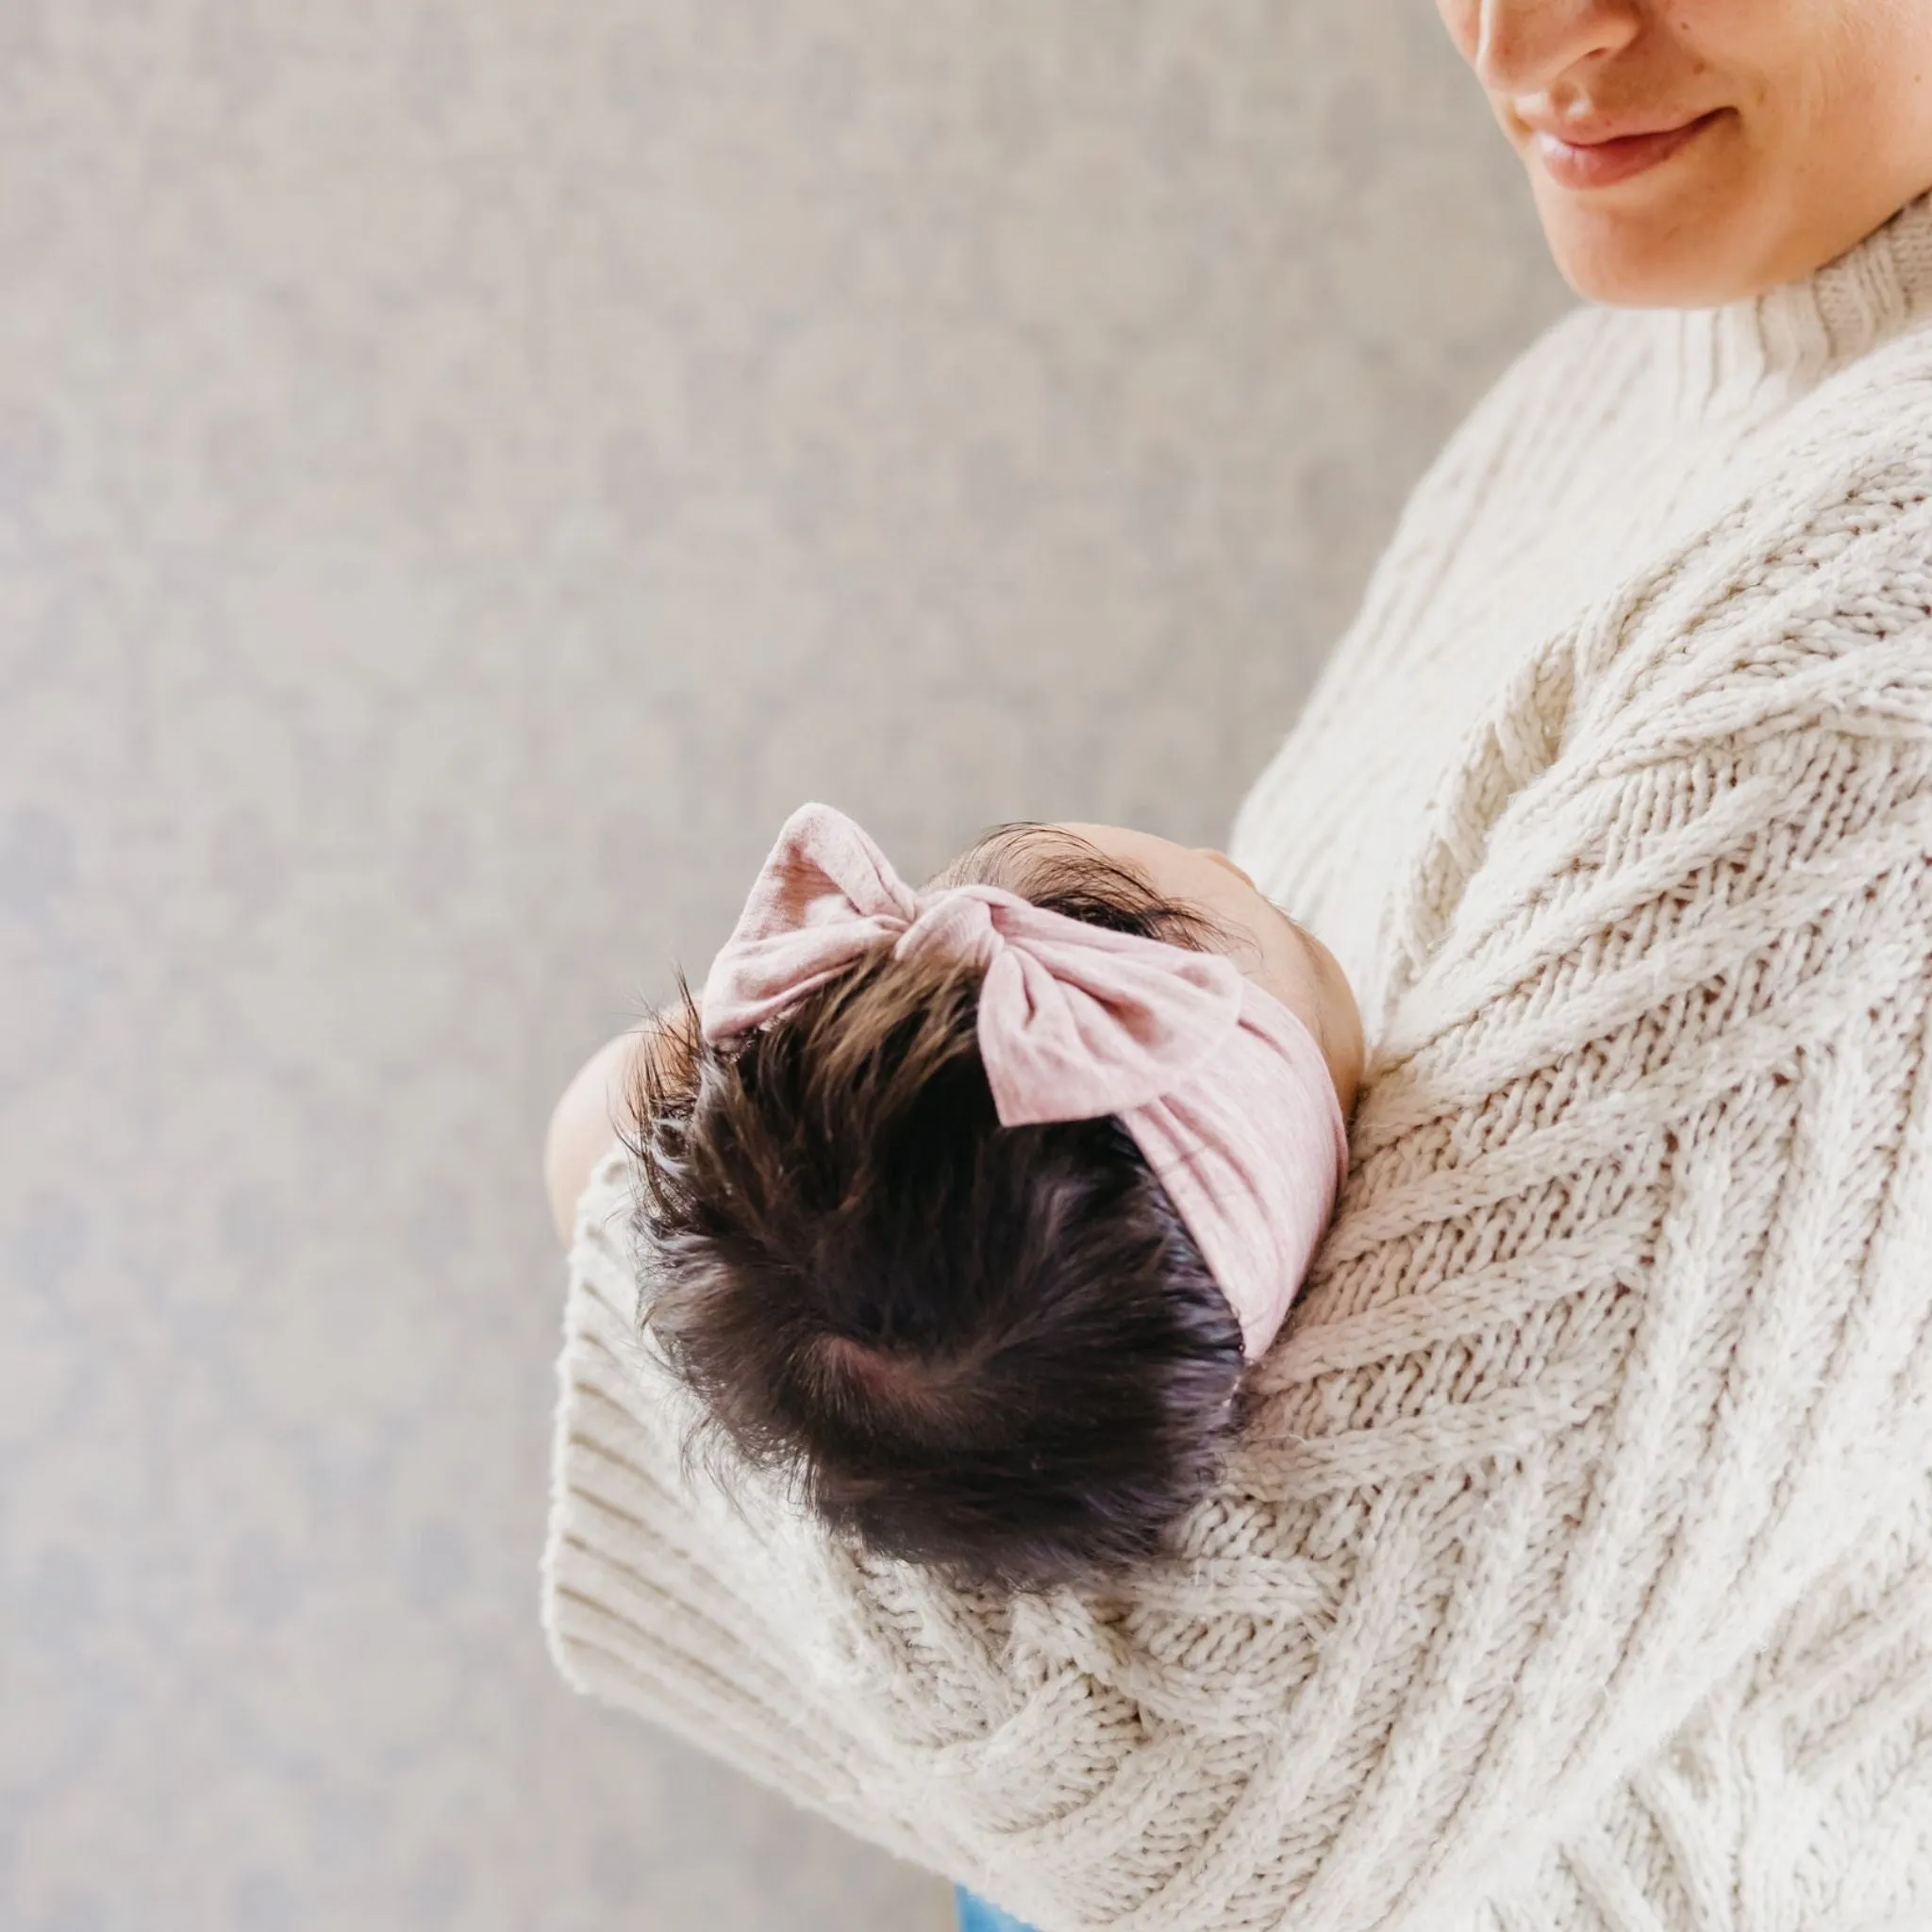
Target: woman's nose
<point x="1526" y="46"/>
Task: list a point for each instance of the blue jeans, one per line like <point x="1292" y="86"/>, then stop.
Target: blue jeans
<point x="975" y="1915"/>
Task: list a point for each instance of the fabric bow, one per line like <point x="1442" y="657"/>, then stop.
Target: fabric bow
<point x="1224" y="1090"/>
<point x="1074" y="1020"/>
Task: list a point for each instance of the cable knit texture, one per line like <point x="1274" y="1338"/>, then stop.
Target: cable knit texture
<point x="1578" y="1572"/>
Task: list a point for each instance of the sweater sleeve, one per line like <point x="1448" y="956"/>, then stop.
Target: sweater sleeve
<point x="1617" y="1344"/>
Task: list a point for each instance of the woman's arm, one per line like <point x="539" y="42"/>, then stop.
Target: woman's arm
<point x="1613" y="1353"/>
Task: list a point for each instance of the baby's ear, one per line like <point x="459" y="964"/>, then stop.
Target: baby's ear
<point x="585" y="1124"/>
<point x="598" y="1107"/>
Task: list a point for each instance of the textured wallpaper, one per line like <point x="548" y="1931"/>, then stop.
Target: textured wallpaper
<point x="466" y="471"/>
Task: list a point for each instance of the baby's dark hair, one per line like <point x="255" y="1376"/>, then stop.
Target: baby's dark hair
<point x="994" y="1350"/>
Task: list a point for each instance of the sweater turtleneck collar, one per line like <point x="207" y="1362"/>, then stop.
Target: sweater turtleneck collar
<point x="1791" y="337"/>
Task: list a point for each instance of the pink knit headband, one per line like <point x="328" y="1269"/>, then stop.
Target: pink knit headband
<point x="1224" y="1091"/>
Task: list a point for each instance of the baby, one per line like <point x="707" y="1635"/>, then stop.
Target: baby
<point x="966" y="1207"/>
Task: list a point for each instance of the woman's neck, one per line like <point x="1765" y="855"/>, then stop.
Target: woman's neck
<point x="1791" y="337"/>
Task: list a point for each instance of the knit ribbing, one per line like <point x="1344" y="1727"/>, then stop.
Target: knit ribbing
<point x="1793" y="334"/>
<point x="1576" y="1571"/>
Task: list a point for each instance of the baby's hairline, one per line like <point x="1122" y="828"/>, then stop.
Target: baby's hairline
<point x="1011" y="835"/>
<point x="967" y="867"/>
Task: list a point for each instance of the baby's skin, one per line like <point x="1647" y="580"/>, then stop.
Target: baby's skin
<point x="1278" y="954"/>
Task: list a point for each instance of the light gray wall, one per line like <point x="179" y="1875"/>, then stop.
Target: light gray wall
<point x="466" y="470"/>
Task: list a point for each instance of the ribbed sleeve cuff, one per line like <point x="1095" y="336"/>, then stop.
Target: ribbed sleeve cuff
<point x="662" y="1594"/>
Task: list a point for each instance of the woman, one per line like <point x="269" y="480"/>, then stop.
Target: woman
<point x="1575" y="1571"/>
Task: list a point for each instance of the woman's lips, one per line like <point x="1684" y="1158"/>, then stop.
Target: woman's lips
<point x="1599" y="163"/>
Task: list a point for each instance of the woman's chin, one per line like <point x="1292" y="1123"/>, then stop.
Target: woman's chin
<point x="1623" y="277"/>
<point x="1643" y="257"/>
<point x="1687" y="233"/>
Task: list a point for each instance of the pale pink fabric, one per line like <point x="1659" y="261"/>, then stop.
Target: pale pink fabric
<point x="1224" y="1089"/>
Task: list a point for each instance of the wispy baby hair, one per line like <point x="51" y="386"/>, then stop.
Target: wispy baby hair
<point x="994" y="1349"/>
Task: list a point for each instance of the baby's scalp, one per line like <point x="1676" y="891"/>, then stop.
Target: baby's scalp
<point x="928" y="1269"/>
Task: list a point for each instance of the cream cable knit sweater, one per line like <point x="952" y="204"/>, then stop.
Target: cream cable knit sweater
<point x="1579" y="1574"/>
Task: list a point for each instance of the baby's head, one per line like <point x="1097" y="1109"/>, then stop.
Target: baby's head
<point x="997" y="1348"/>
